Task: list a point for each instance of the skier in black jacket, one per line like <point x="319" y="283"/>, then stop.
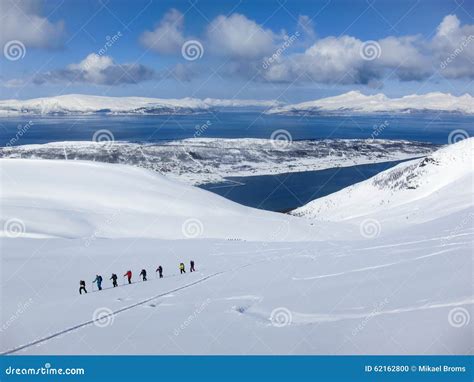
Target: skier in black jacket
<point x="160" y="271"/>
<point x="143" y="274"/>
<point x="114" y="279"/>
<point x="82" y="286"/>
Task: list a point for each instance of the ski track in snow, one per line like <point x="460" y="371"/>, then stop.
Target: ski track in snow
<point x="126" y="308"/>
<point x="308" y="318"/>
<point x="90" y="322"/>
<point x="413" y="242"/>
<point x="373" y="267"/>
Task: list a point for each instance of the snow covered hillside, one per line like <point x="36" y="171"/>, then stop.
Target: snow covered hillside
<point x="204" y="160"/>
<point x="290" y="285"/>
<point x="88" y="104"/>
<point x="356" y="102"/>
<point x="86" y="199"/>
<point x="411" y="192"/>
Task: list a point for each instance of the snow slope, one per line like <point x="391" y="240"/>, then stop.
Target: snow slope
<point x="407" y="291"/>
<point x="411" y="192"/>
<point x="356" y="102"/>
<point x="87" y="104"/>
<point x="87" y="199"/>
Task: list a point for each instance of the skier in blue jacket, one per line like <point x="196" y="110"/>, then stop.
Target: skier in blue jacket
<point x="98" y="280"/>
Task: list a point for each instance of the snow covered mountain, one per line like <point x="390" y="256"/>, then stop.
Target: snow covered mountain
<point x="204" y="160"/>
<point x="411" y="192"/>
<point x="351" y="102"/>
<point x="356" y="102"/>
<point x="88" y="104"/>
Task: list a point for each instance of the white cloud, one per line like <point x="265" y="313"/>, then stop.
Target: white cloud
<point x="449" y="25"/>
<point x="21" y="20"/>
<point x="453" y="48"/>
<point x="168" y="36"/>
<point x="238" y="37"/>
<point x="408" y="58"/>
<point x="99" y="70"/>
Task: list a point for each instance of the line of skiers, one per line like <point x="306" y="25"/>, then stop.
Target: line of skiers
<point x="98" y="278"/>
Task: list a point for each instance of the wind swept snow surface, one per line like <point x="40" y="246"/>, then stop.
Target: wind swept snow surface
<point x="307" y="288"/>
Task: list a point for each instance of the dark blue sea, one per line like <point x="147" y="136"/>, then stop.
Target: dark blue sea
<point x="420" y="127"/>
<point x="276" y="192"/>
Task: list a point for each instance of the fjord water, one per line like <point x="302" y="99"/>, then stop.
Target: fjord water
<point x="275" y="192"/>
<point x="425" y="127"/>
<point x="285" y="192"/>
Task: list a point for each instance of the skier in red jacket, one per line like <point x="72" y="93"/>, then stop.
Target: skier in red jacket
<point x="129" y="276"/>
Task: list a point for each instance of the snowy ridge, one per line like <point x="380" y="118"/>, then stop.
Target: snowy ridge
<point x="205" y="160"/>
<point x="356" y="102"/>
<point x="417" y="190"/>
<point x="89" y="104"/>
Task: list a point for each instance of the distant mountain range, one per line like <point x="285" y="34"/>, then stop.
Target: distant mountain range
<point x="355" y="102"/>
<point x="352" y="102"/>
<point x="89" y="104"/>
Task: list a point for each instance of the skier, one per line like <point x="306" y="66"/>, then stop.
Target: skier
<point x="160" y="271"/>
<point x="181" y="268"/>
<point x="98" y="280"/>
<point x="114" y="279"/>
<point x="129" y="276"/>
<point x="82" y="286"/>
<point x="192" y="266"/>
<point x="143" y="273"/>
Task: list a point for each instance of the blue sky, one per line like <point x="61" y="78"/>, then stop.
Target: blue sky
<point x="317" y="48"/>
